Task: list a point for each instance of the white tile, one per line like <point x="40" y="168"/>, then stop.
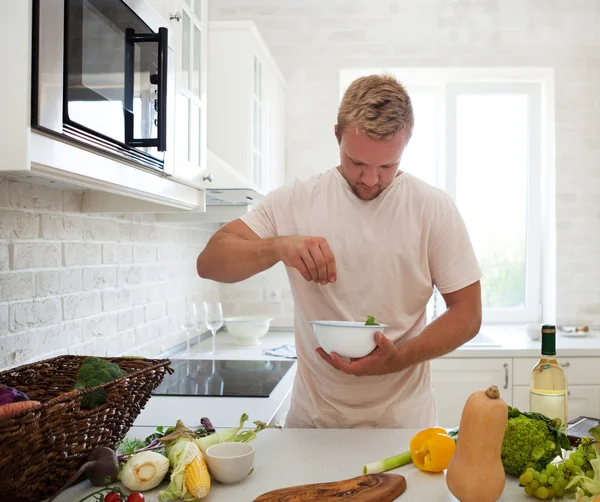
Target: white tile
<point x="95" y="278"/>
<point x="58" y="282"/>
<point x="82" y="305"/>
<point x="26" y="196"/>
<point x="16" y="286"/>
<point x="19" y="225"/>
<point x="82" y="253"/>
<point x="31" y="314"/>
<point x="61" y="227"/>
<point x="36" y="255"/>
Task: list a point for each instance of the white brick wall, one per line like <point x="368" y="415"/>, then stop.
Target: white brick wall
<point x="90" y="284"/>
<point x="311" y="41"/>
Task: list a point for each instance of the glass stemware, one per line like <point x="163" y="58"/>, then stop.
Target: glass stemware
<point x="213" y="319"/>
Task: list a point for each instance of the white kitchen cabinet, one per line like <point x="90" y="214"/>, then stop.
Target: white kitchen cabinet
<point x="189" y="25"/>
<point x="454" y="380"/>
<point x="246" y="104"/>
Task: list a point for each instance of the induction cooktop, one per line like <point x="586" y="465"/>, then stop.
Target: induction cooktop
<point x="223" y="377"/>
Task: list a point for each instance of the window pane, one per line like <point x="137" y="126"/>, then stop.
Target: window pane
<point x="198" y="9"/>
<point x="420" y="156"/>
<point x="491" y="190"/>
<point x="185" y="50"/>
<point x="197" y="56"/>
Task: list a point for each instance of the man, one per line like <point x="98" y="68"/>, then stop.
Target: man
<point x="362" y="239"/>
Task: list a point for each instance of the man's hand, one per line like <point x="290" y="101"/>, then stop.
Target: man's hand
<point x="311" y="256"/>
<point x="382" y="360"/>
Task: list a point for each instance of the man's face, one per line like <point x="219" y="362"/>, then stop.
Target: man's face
<point x="370" y="165"/>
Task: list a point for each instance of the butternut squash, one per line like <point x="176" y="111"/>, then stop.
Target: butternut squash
<point x="476" y="473"/>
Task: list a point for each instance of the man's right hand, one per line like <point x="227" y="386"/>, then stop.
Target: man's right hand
<point x="311" y="256"/>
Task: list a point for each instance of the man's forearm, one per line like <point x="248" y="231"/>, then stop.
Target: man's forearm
<point x="230" y="258"/>
<point x="452" y="329"/>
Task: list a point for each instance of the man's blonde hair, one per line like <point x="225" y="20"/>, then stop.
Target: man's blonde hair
<point x="377" y="105"/>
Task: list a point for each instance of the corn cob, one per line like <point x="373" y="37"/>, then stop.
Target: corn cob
<point x="197" y="479"/>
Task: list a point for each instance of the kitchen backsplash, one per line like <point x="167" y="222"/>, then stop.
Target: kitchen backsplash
<point x="313" y="40"/>
<point x="93" y="284"/>
<point x="104" y="284"/>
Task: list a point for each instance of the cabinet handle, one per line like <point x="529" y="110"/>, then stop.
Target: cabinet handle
<point x="505" y="375"/>
<point x="568" y="393"/>
<point x="566" y="365"/>
<point x="208" y="177"/>
<point x="175" y="17"/>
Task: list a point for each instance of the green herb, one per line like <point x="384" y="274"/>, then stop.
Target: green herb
<point x="129" y="446"/>
<point x="371" y="321"/>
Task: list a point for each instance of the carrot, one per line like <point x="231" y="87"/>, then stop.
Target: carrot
<point x="11" y="408"/>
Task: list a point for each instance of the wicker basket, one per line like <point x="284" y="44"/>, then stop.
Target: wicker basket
<point x="43" y="446"/>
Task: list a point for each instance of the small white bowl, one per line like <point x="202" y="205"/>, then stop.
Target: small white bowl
<point x="230" y="462"/>
<point x="534" y="331"/>
<point x="345" y="338"/>
<point x="248" y="329"/>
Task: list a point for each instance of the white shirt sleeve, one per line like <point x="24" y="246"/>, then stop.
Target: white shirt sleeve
<point x="451" y="257"/>
<point x="263" y="219"/>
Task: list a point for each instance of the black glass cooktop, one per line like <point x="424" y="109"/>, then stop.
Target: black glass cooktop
<point x="226" y="377"/>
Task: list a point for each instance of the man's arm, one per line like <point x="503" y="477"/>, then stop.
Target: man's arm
<point x="236" y="253"/>
<point x="458" y="324"/>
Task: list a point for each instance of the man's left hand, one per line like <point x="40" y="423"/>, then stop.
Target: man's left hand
<point x="383" y="359"/>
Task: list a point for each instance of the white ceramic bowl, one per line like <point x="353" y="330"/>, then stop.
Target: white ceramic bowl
<point x="345" y="338"/>
<point x="248" y="329"/>
<point x="534" y="331"/>
<point x="230" y="462"/>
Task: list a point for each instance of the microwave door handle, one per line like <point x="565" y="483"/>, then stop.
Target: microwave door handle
<point x="161" y="38"/>
<point x="163" y="51"/>
<point x="129" y="79"/>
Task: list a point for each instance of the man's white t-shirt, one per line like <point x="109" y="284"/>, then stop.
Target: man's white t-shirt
<point x="389" y="252"/>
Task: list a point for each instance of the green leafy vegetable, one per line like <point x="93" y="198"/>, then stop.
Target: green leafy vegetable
<point x="92" y="372"/>
<point x="371" y="321"/>
<point x="235" y="434"/>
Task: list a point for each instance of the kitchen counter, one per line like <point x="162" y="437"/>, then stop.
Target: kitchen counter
<point x="300" y="456"/>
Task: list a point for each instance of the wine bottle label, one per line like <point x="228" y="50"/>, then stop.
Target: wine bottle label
<point x="551" y="403"/>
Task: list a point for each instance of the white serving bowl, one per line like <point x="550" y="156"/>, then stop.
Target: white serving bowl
<point x="345" y="338"/>
<point x="248" y="329"/>
<point x="230" y="462"/>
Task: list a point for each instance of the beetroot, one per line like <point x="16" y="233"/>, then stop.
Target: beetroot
<point x="11" y="395"/>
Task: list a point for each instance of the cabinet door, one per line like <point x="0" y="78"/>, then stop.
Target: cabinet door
<point x="584" y="400"/>
<point x="454" y="380"/>
<point x="190" y="103"/>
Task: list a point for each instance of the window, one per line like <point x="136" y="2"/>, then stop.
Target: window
<point x="480" y="140"/>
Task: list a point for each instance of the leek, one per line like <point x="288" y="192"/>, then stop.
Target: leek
<point x="233" y="435"/>
<point x="388" y="463"/>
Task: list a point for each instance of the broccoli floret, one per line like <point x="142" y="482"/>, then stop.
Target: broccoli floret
<point x="92" y="372"/>
<point x="527" y="443"/>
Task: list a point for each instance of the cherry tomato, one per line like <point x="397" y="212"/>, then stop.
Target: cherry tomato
<point x="135" y="497"/>
<point x="113" y="497"/>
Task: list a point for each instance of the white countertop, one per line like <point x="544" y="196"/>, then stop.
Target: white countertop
<point x="301" y="456"/>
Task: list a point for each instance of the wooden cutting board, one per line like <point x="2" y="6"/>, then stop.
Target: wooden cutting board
<point x="369" y="488"/>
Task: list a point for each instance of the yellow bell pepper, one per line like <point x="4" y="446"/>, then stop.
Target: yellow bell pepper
<point x="432" y="449"/>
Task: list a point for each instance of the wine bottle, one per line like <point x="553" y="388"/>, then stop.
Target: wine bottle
<point x="548" y="386"/>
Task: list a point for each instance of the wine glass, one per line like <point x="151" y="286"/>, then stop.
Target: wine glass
<point x="213" y="319"/>
<point x="189" y="320"/>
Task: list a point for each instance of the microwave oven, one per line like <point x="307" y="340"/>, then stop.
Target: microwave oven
<point x="102" y="78"/>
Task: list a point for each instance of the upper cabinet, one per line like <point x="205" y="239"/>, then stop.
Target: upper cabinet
<point x="246" y="104"/>
<point x="189" y="27"/>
